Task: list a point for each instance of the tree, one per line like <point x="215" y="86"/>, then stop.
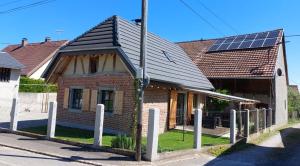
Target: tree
<point x="293" y="100"/>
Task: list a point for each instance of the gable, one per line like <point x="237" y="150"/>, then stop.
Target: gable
<point x="106" y="63"/>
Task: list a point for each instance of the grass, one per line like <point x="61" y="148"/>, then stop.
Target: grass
<point x="168" y="141"/>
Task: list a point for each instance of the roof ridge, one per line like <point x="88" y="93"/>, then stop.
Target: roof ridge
<point x="36" y="43"/>
<point x="210" y="39"/>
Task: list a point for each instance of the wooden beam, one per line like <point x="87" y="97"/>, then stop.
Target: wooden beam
<point x="106" y="56"/>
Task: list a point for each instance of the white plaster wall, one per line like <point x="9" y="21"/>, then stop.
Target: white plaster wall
<point x="38" y="74"/>
<point x="281" y="106"/>
<point x="9" y="90"/>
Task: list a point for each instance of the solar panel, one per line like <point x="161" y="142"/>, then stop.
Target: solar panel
<point x="255" y="40"/>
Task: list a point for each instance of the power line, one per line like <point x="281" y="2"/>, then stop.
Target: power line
<point x="26" y="6"/>
<point x="8" y="3"/>
<point x="219" y="18"/>
<point x="201" y="17"/>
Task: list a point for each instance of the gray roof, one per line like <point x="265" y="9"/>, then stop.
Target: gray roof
<point x="7" y="61"/>
<point x="117" y="33"/>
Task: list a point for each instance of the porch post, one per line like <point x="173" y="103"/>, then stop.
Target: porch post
<point x="51" y="120"/>
<point x="14" y="115"/>
<point x="198" y="129"/>
<point x="232" y="126"/>
<point x="264" y="119"/>
<point x="98" y="131"/>
<point x="256" y="122"/>
<point x="152" y="136"/>
<point x="247" y="123"/>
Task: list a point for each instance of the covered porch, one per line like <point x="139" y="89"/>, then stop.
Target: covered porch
<point x="216" y="122"/>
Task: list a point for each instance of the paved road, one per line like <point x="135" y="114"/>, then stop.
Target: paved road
<point x="14" y="157"/>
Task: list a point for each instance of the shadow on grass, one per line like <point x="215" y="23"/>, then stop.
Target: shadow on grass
<point x="243" y="153"/>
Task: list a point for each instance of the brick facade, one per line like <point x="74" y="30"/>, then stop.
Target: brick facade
<point x="154" y="98"/>
<point x="112" y="122"/>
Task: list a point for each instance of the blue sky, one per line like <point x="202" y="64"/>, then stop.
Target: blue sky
<point x="168" y="18"/>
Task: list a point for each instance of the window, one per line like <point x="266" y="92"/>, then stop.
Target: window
<point x="94" y="61"/>
<point x="106" y="97"/>
<point x="4" y="74"/>
<point x="76" y="98"/>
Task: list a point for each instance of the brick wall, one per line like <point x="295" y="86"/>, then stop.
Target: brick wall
<point x="112" y="122"/>
<point x="156" y="98"/>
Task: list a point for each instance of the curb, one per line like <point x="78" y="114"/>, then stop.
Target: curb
<point x="52" y="155"/>
<point x="91" y="147"/>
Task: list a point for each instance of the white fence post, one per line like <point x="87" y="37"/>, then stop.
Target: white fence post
<point x="198" y="129"/>
<point x="265" y="119"/>
<point x="98" y="131"/>
<point x="14" y="115"/>
<point x="247" y="126"/>
<point x="232" y="126"/>
<point x="256" y="122"/>
<point x="51" y="120"/>
<point x="270" y="118"/>
<point x="152" y="136"/>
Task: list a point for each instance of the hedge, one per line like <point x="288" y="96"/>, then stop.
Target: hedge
<point x="35" y="86"/>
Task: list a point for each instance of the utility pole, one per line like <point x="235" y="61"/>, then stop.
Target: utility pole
<point x="142" y="73"/>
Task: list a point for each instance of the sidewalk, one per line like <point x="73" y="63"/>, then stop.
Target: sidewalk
<point x="64" y="151"/>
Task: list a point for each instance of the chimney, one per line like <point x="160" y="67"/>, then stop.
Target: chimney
<point x="24" y="42"/>
<point x="47" y="39"/>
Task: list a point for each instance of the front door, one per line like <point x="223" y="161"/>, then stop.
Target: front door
<point x="180" y="109"/>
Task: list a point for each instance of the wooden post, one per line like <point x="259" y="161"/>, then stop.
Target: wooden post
<point x="232" y="126"/>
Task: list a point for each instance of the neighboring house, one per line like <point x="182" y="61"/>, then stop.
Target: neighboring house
<point x="100" y="66"/>
<point x="35" y="56"/>
<point x="252" y="66"/>
<point x="10" y="70"/>
<point x="294" y="88"/>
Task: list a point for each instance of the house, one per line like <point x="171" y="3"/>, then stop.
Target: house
<point x="251" y="65"/>
<point x="10" y="70"/>
<point x="35" y="56"/>
<point x="100" y="66"/>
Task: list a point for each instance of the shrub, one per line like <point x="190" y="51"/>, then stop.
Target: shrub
<point x="35" y="86"/>
<point x="122" y="142"/>
<point x="293" y="100"/>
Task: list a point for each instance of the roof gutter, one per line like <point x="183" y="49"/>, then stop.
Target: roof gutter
<point x="224" y="97"/>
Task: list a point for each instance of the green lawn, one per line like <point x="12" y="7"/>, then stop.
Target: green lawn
<point x="168" y="141"/>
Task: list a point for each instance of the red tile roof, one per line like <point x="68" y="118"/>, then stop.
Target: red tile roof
<point x="34" y="55"/>
<point x="246" y="63"/>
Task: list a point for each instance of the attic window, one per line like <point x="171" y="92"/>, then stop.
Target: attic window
<point x="168" y="56"/>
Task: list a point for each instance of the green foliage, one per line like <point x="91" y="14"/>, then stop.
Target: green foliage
<point x="122" y="142"/>
<point x="293" y="100"/>
<point x="35" y="86"/>
<point x="220" y="104"/>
